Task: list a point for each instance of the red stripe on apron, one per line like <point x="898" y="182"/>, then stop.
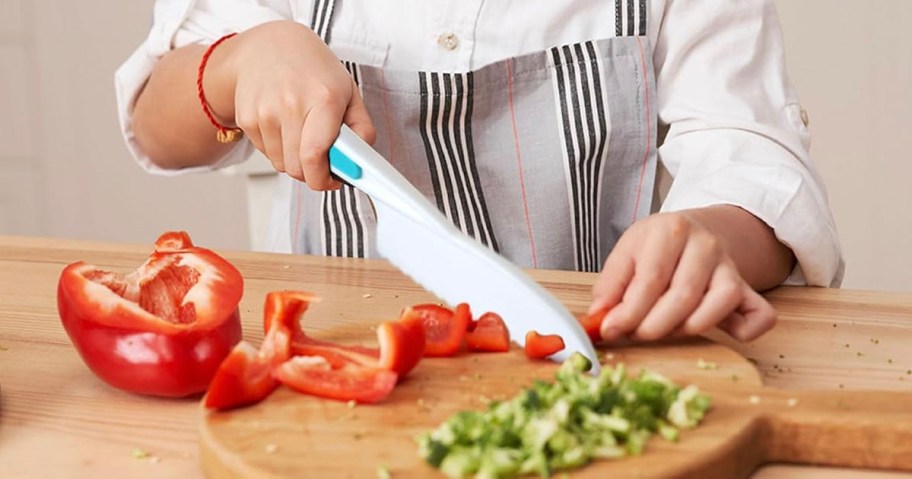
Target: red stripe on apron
<point x="522" y="183"/>
<point x="636" y="205"/>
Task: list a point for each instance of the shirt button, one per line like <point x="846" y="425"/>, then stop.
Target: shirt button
<point x="448" y="40"/>
<point x="804" y="118"/>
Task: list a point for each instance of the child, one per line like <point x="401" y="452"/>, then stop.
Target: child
<point x="532" y="125"/>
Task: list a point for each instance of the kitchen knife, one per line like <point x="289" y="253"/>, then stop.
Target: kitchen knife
<point x="419" y="240"/>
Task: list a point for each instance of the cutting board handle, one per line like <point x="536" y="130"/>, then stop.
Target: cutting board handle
<point x="837" y="428"/>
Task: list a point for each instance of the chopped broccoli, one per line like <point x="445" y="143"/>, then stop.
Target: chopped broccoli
<point x="565" y="424"/>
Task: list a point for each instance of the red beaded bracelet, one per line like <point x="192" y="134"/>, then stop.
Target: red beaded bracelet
<point x="224" y="133"/>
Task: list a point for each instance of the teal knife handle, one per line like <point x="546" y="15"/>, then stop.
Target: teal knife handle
<point x="343" y="166"/>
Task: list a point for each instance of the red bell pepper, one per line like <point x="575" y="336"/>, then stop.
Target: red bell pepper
<point x="541" y="346"/>
<point x="445" y="329"/>
<point x="162" y="329"/>
<point x="488" y="334"/>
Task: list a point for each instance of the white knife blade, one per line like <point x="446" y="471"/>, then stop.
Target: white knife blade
<point x="414" y="236"/>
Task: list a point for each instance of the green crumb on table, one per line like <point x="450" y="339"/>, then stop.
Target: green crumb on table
<point x="138" y="453"/>
<point x="383" y="472"/>
<point x="477" y="376"/>
<point x="351" y="404"/>
<point x="706" y="364"/>
<point x="564" y="424"/>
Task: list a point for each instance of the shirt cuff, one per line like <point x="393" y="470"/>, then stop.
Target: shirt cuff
<point x="778" y="190"/>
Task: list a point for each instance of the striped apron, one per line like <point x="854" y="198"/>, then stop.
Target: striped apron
<point x="545" y="158"/>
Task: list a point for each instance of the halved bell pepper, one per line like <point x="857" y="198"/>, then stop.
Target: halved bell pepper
<point x="162" y="329"/>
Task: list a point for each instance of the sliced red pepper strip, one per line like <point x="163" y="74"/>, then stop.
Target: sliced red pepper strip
<point x="401" y="347"/>
<point x="246" y="376"/>
<point x="162" y="329"/>
<point x="401" y="342"/>
<point x="445" y="329"/>
<point x="488" y="334"/>
<point x="314" y="375"/>
<point x="592" y="323"/>
<point x="336" y="354"/>
<point x="541" y="346"/>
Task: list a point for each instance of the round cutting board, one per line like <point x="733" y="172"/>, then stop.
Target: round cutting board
<point x="292" y="435"/>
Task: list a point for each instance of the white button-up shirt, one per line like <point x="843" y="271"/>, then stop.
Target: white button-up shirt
<point x="735" y="134"/>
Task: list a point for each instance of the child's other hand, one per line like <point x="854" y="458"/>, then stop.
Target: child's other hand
<point x="669" y="275"/>
<point x="291" y="96"/>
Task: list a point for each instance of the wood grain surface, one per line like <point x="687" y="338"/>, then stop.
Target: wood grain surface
<point x="57" y="420"/>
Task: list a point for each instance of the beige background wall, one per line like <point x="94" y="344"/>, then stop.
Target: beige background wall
<point x="64" y="171"/>
<point x="63" y="168"/>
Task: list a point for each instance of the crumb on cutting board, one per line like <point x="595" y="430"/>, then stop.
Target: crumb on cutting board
<point x="706" y="365"/>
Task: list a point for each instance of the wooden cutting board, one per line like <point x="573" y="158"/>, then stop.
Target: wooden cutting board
<point x="292" y="435"/>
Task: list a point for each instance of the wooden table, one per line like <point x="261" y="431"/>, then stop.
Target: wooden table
<point x="58" y="420"/>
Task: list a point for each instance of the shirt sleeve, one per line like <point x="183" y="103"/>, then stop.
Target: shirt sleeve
<point x="735" y="129"/>
<point x="177" y="23"/>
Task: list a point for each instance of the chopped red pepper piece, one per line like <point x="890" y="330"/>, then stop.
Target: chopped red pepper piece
<point x="402" y="344"/>
<point x="489" y="334"/>
<point x="445" y="329"/>
<point x="541" y="346"/>
<point x="162" y="329"/>
<point x="592" y="323"/>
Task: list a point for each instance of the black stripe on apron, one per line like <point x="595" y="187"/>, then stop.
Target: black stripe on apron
<point x="343" y="229"/>
<point x="630" y="22"/>
<point x="446" y="130"/>
<point x="641" y="31"/>
<point x="583" y="127"/>
<point x="618" y="18"/>
<point x="630" y="18"/>
<point x="322" y="15"/>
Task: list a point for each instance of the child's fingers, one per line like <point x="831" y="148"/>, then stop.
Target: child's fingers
<point x="291" y="143"/>
<point x="753" y="317"/>
<point x="612" y="281"/>
<point x="357" y="118"/>
<point x="688" y="285"/>
<point x="321" y="127"/>
<point x="726" y="292"/>
<point x="271" y="133"/>
<point x="652" y="273"/>
<point x="247" y="122"/>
